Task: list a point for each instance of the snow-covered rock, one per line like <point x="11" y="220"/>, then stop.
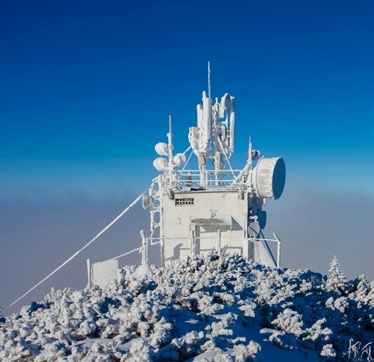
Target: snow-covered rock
<point x="213" y="308"/>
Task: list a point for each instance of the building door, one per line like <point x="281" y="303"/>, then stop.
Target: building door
<point x="208" y="238"/>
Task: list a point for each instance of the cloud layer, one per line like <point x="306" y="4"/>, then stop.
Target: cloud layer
<point x="314" y="225"/>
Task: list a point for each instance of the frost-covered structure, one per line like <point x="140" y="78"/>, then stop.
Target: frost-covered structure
<point x="206" y="206"/>
<point x="199" y="203"/>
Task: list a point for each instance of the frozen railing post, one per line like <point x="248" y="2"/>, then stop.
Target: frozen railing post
<point x="89" y="282"/>
<point x="144" y="248"/>
<point x="218" y="240"/>
<point x="193" y="245"/>
<point x="279" y="243"/>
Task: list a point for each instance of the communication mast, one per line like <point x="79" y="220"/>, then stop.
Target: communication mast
<point x="213" y="206"/>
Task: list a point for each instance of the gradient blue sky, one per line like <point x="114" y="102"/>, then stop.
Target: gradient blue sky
<point x="86" y="88"/>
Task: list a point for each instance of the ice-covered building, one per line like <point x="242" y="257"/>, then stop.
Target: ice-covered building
<point x="199" y="203"/>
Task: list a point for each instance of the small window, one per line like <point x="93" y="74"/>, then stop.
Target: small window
<point x="186" y="201"/>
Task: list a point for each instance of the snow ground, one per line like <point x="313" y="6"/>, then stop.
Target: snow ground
<point x="213" y="308"/>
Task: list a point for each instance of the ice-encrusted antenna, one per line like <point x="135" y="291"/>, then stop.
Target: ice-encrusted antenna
<point x="170" y="147"/>
<point x="209" y="90"/>
<point x="170" y="138"/>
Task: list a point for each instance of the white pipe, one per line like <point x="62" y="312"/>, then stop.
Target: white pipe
<point x="206" y="133"/>
<point x="144" y="248"/>
<point x="129" y="252"/>
<point x="218" y="245"/>
<point x="278" y="249"/>
<point x="89" y="272"/>
<point x="193" y="250"/>
<point x="232" y="123"/>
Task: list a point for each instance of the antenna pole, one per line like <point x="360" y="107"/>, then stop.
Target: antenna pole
<point x="170" y="139"/>
<point x="209" y="94"/>
<point x="170" y="148"/>
<point x="250" y="152"/>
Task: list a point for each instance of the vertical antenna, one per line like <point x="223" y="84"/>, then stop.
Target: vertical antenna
<point x="170" y="149"/>
<point x="208" y="79"/>
<point x="170" y="138"/>
<point x="250" y="152"/>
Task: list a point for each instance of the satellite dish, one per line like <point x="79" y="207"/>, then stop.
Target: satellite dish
<point x="270" y="177"/>
<point x="162" y="149"/>
<point x="146" y="201"/>
<point x="179" y="159"/>
<point x="253" y="229"/>
<point x="263" y="218"/>
<point x="161" y="164"/>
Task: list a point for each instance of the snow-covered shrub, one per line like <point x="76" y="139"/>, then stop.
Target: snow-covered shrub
<point x="189" y="345"/>
<point x="248" y="308"/>
<point x="283" y="340"/>
<point x="222" y="356"/>
<point x="207" y="306"/>
<point x="290" y="322"/>
<point x="245" y="353"/>
<point x="215" y="306"/>
<point x="317" y="335"/>
<point x="328" y="353"/>
<point x="140" y="351"/>
<point x="336" y="282"/>
<point x="360" y="289"/>
<point x="370" y="295"/>
<point x="222" y="328"/>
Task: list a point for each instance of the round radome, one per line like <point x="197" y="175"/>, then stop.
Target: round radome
<point x="179" y="160"/>
<point x="161" y="164"/>
<point x="162" y="149"/>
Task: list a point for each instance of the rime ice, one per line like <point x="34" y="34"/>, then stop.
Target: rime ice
<point x="212" y="206"/>
<point x="212" y="308"/>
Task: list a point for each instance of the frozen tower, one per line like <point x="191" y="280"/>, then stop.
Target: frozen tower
<point x="210" y="205"/>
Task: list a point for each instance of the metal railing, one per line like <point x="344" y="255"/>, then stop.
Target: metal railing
<point x="196" y="179"/>
<point x="265" y="241"/>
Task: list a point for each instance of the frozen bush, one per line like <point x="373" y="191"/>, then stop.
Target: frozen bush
<point x="328" y="353"/>
<point x="245" y="353"/>
<point x="202" y="305"/>
<point x="290" y="322"/>
<point x="336" y="282"/>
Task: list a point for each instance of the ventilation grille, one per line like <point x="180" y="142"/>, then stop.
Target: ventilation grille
<point x="184" y="201"/>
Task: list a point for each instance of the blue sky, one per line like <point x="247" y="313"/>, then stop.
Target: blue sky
<point x="86" y="88"/>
